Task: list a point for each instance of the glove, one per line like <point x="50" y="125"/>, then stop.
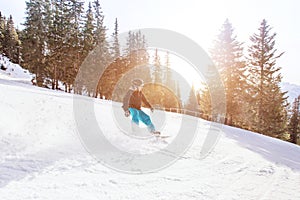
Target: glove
<point x="127" y="113"/>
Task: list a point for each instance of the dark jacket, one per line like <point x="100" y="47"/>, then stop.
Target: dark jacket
<point x="134" y="99"/>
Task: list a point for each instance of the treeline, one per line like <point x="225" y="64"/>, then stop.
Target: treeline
<point x="294" y="121"/>
<point x="251" y="77"/>
<point x="60" y="36"/>
<point x="56" y="38"/>
<point x="9" y="39"/>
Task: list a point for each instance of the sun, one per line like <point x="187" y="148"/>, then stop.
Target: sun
<point x="187" y="71"/>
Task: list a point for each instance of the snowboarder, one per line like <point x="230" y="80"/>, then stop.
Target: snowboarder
<point x="132" y="104"/>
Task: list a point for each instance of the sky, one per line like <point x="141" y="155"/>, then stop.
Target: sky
<point x="201" y="21"/>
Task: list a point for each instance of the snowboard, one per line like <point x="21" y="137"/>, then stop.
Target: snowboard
<point x="158" y="134"/>
<point x="162" y="137"/>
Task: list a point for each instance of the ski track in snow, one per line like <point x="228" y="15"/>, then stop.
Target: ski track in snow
<point x="42" y="157"/>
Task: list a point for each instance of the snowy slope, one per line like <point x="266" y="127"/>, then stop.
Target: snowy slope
<point x="42" y="157"/>
<point x="13" y="71"/>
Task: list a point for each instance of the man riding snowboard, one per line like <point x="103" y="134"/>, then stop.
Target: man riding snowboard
<point x="132" y="104"/>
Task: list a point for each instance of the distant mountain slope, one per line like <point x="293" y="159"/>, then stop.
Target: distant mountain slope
<point x="292" y="89"/>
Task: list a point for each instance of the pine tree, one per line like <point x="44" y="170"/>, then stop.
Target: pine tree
<point x="64" y="46"/>
<point x="227" y="54"/>
<point x="178" y="92"/>
<point x="130" y="45"/>
<point x="114" y="71"/>
<point x="268" y="102"/>
<point x="87" y="47"/>
<point x="169" y="81"/>
<point x="294" y="125"/>
<point x="157" y="68"/>
<point x="74" y="47"/>
<point x="136" y="53"/>
<point x="34" y="40"/>
<point x="54" y="19"/>
<point x="104" y="59"/>
<point x="142" y="53"/>
<point x="192" y="104"/>
<point x="143" y="69"/>
<point x="136" y="50"/>
<point x="88" y="31"/>
<point x="51" y="56"/>
<point x="116" y="45"/>
<point x="100" y="32"/>
<point x="11" y="43"/>
<point x="2" y="31"/>
<point x="212" y="96"/>
<point x="205" y="103"/>
<point x="55" y="45"/>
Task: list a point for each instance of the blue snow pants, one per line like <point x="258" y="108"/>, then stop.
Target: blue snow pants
<point x="139" y="115"/>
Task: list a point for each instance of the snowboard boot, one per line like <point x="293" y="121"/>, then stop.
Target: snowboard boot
<point x="155" y="133"/>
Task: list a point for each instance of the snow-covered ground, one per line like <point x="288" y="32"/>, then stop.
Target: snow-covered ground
<point x="42" y="157"/>
<point x="13" y="71"/>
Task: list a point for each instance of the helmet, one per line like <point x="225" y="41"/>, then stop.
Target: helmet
<point x="137" y="82"/>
